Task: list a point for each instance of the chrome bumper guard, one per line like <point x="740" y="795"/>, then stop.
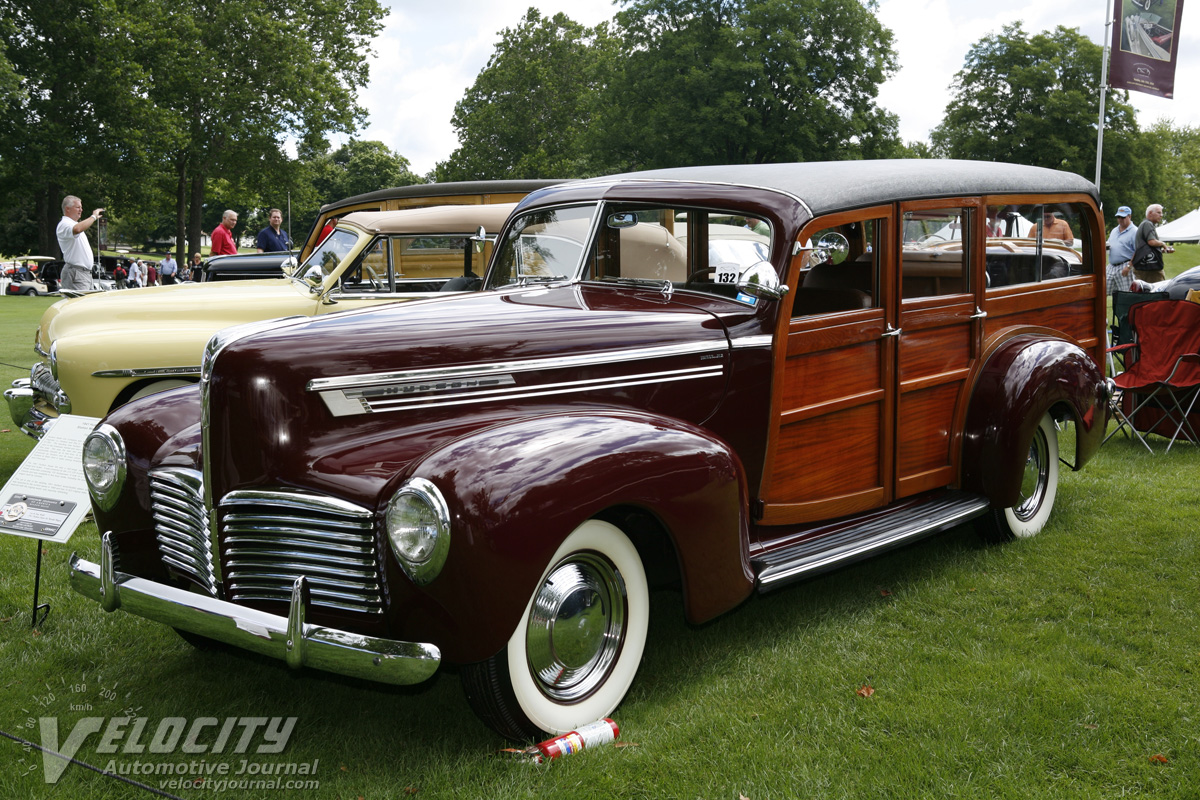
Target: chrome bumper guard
<point x="289" y="638"/>
<point x="21" y="398"/>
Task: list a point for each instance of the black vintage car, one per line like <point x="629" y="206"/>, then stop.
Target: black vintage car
<point x="245" y="266"/>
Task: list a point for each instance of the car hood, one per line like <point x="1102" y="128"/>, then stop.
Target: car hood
<point x="198" y="306"/>
<point x="322" y="401"/>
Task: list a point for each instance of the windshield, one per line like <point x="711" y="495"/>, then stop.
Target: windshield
<point x="325" y="259"/>
<point x="543" y="245"/>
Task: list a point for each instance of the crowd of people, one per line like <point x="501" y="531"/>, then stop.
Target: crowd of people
<point x="80" y="270"/>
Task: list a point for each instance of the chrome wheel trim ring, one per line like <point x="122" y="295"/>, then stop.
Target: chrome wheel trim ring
<point x="576" y="627"/>
<point x="1035" y="478"/>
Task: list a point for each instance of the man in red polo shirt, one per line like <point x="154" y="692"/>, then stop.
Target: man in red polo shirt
<point x="222" y="235"/>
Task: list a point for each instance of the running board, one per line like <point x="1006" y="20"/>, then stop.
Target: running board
<point x="876" y="534"/>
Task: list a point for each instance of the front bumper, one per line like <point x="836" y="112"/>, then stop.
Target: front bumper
<point x="22" y="407"/>
<point x="288" y="638"/>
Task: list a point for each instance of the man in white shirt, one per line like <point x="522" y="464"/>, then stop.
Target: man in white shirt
<point x="77" y="272"/>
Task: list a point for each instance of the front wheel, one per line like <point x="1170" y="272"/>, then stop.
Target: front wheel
<point x="1039" y="486"/>
<point x="575" y="652"/>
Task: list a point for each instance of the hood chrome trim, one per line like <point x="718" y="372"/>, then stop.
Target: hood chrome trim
<point x="149" y="372"/>
<point x="506" y="367"/>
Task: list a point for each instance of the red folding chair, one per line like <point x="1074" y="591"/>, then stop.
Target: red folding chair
<point x="1166" y="374"/>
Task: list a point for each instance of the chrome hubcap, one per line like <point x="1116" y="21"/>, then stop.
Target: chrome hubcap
<point x="576" y="627"/>
<point x="1035" y="478"/>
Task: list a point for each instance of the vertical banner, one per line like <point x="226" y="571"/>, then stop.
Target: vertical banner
<point x="1144" y="45"/>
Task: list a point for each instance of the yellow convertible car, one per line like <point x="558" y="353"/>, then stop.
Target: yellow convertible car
<point x="103" y="350"/>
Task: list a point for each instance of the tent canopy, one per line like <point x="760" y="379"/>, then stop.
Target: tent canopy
<point x="1184" y="229"/>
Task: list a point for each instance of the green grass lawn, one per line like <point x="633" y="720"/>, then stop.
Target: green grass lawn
<point x="1060" y="667"/>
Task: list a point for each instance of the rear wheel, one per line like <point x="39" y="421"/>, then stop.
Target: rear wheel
<point x="575" y="652"/>
<point x="1039" y="486"/>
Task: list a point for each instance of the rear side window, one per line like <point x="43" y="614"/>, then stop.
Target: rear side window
<point x="1036" y="243"/>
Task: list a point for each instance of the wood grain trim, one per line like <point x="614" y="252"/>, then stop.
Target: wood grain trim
<point x="832" y="407"/>
<point x="929" y="381"/>
<point x="816" y="510"/>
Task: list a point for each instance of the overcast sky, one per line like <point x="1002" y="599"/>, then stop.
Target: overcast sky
<point x="430" y="53"/>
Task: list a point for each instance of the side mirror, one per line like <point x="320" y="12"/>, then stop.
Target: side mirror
<point x="831" y="248"/>
<point x="761" y="280"/>
<point x="480" y="235"/>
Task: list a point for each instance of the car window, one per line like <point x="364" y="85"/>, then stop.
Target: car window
<point x="693" y="250"/>
<point x="935" y="252"/>
<point x="325" y="259"/>
<point x="841" y="271"/>
<point x="1034" y="243"/>
<point x="413" y="263"/>
<point x="542" y="245"/>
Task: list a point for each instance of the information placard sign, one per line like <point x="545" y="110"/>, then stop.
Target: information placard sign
<point x="47" y="497"/>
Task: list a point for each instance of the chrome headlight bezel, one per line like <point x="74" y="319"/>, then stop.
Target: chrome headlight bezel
<point x="105" y="492"/>
<point x="418" y="509"/>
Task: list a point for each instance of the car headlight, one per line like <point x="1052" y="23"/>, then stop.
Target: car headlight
<point x="104" y="465"/>
<point x="417" y="522"/>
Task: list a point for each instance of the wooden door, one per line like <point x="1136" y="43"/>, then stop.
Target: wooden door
<point x="831" y="447"/>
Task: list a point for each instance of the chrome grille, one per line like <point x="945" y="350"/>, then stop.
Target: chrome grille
<point x="43" y="382"/>
<point x="271" y="537"/>
<point x="181" y="523"/>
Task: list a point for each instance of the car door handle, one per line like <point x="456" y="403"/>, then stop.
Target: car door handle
<point x="890" y="332"/>
<point x="979" y="314"/>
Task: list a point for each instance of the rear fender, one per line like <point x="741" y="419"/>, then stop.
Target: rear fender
<point x="1022" y="378"/>
<point x="515" y="491"/>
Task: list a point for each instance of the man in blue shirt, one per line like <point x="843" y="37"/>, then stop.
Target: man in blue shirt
<point x="1120" y="251"/>
<point x="167" y="270"/>
<point x="273" y="239"/>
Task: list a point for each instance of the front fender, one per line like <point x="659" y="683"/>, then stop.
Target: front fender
<point x="1022" y="378"/>
<point x="517" y="490"/>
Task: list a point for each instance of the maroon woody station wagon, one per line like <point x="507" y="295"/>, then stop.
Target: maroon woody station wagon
<point x="635" y="396"/>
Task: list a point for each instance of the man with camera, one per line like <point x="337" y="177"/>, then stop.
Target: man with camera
<point x="77" y="253"/>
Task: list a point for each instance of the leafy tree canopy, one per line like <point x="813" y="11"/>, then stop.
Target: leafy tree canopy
<point x="745" y="81"/>
<point x="1035" y="100"/>
<point x="529" y="108"/>
<point x="1175" y="183"/>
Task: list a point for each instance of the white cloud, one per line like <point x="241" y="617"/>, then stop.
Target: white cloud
<point x="430" y="53"/>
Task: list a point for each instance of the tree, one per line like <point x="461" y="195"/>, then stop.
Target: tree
<point x="358" y="167"/>
<point x="526" y="114"/>
<point x="81" y="124"/>
<point x="1034" y="100"/>
<point x="157" y="98"/>
<point x="747" y="81"/>
<point x="1175" y="181"/>
<point x="239" y="77"/>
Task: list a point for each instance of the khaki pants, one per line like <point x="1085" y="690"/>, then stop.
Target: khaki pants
<point x="1149" y="276"/>
<point x="76" y="277"/>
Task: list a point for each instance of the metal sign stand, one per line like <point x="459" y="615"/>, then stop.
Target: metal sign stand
<point x="37" y="581"/>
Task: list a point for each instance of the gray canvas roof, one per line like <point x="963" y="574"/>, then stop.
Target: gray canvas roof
<point x="826" y="186"/>
<point x="443" y="189"/>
